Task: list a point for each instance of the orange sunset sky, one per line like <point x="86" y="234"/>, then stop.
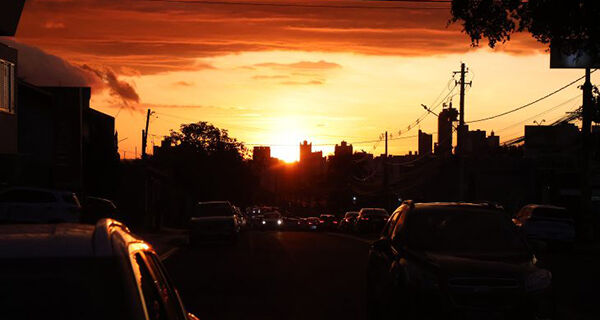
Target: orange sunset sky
<point x="276" y="75"/>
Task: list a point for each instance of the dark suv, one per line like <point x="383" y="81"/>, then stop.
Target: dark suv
<point x="440" y="260"/>
<point x="77" y="271"/>
<point x="214" y="220"/>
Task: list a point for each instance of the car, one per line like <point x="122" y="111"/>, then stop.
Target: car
<point x="347" y="223"/>
<point x="37" y="205"/>
<point x="74" y="271"/>
<point x="454" y="260"/>
<point x="213" y="220"/>
<point x="272" y="220"/>
<point x="551" y="225"/>
<point x="312" y="223"/>
<point x="327" y="222"/>
<point x="291" y="223"/>
<point x="95" y="208"/>
<point x="370" y="220"/>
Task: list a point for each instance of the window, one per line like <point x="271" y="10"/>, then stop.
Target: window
<point x="152" y="300"/>
<point x="7" y="86"/>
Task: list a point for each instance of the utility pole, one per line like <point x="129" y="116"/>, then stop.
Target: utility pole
<point x="586" y="128"/>
<point x="462" y="132"/>
<point x="145" y="135"/>
<point x="385" y="173"/>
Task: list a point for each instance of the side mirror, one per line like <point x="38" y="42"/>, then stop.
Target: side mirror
<point x="382" y="244"/>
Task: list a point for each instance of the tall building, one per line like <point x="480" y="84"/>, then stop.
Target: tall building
<point x="305" y="150"/>
<point x="425" y="143"/>
<point x="261" y="153"/>
<point x="477" y="142"/>
<point x="493" y="141"/>
<point x="445" y="128"/>
<point x="344" y="149"/>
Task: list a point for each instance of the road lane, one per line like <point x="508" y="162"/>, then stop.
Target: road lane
<point x="274" y="275"/>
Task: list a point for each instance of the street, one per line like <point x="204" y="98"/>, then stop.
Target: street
<point x="274" y="275"/>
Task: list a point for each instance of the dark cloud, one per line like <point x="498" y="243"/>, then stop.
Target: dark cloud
<point x="43" y="69"/>
<point x="267" y="77"/>
<point x="183" y="84"/>
<point x="117" y="88"/>
<point x="154" y="37"/>
<point x="315" y="65"/>
<point x="302" y="83"/>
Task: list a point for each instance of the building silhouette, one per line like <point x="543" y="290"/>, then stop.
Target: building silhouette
<point x="445" y="129"/>
<point x="343" y="149"/>
<point x="425" y="143"/>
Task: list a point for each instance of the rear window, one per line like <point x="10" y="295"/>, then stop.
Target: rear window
<point x="27" y="196"/>
<point x="272" y="215"/>
<point x="67" y="288"/>
<point x="379" y="212"/>
<point x="220" y="209"/>
<point x="550" y="213"/>
<point x="351" y="214"/>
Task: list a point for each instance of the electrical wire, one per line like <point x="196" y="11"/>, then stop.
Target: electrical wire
<point x="530" y="103"/>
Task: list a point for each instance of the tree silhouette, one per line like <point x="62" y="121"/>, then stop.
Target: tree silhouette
<point x="207" y="139"/>
<point x="573" y="23"/>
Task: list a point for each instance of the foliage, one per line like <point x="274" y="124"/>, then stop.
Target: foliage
<point x="205" y="138"/>
<point x="574" y="23"/>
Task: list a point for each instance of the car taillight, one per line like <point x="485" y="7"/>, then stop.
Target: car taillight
<point x="335" y="222"/>
<point x="364" y="218"/>
<point x="321" y="221"/>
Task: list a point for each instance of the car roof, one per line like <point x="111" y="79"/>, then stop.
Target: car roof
<point x="214" y="202"/>
<point x="455" y="205"/>
<point x="36" y="189"/>
<point x="61" y="240"/>
<point x="545" y="206"/>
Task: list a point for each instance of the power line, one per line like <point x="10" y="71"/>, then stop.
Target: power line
<point x="317" y="6"/>
<point x="530" y="103"/>
<point x="539" y="114"/>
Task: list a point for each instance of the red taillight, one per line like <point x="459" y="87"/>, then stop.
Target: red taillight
<point x="364" y="218"/>
<point x="335" y="222"/>
<point x="321" y="221"/>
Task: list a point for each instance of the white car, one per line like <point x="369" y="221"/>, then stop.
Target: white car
<point x="546" y="223"/>
<point x="39" y="206"/>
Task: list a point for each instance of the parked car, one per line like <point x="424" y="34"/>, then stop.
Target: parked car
<point x="370" y="220"/>
<point x="214" y="220"/>
<point x="327" y="222"/>
<point x="36" y="205"/>
<point x="312" y="223"/>
<point x="272" y="220"/>
<point x="347" y="223"/>
<point x="550" y="224"/>
<point x="104" y="272"/>
<point x="291" y="223"/>
<point x="455" y="260"/>
<point x="94" y="209"/>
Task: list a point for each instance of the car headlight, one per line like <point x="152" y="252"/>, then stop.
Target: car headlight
<point x="538" y="280"/>
<point x="279" y="222"/>
<point x="264" y="222"/>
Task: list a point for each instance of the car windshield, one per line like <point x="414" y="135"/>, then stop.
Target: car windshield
<point x="374" y="212"/>
<point x="217" y="209"/>
<point x="272" y="215"/>
<point x="70" y="288"/>
<point x="462" y="230"/>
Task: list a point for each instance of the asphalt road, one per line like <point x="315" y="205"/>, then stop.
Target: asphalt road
<point x="274" y="275"/>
